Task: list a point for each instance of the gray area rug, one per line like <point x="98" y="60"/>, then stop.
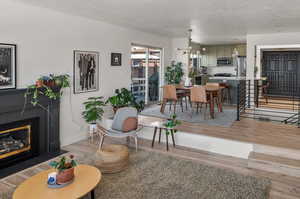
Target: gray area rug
<point x="225" y="118"/>
<point x="156" y="176"/>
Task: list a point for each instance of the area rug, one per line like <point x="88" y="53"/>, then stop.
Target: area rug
<point x="153" y="175"/>
<point x="225" y="118"/>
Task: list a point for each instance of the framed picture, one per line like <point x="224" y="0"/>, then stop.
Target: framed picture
<point x="8" y="61"/>
<point x="86" y="71"/>
<point x="116" y="59"/>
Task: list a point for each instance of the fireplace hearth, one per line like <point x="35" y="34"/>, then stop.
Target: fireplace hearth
<point x="28" y="138"/>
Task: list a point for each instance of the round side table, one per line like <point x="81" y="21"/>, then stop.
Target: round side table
<point x="86" y="179"/>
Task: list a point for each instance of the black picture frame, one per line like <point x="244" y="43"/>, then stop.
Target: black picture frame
<point x="8" y="66"/>
<point x="85" y="75"/>
<point x="116" y="59"/>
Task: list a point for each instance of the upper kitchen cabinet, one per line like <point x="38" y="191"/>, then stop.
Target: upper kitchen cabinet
<point x="242" y="49"/>
<point x="212" y="52"/>
<point x="212" y="56"/>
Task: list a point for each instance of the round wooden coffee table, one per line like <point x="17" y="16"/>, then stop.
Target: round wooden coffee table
<point x="86" y="179"/>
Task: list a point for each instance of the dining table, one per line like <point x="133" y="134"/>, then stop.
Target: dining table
<point x="210" y="91"/>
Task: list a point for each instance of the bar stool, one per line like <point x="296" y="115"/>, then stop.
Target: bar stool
<point x="226" y="93"/>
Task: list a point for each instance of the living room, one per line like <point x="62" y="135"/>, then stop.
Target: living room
<point x="45" y="89"/>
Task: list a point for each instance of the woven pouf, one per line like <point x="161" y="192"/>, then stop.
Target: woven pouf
<point x="112" y="158"/>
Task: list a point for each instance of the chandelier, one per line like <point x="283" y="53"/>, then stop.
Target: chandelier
<point x="189" y="48"/>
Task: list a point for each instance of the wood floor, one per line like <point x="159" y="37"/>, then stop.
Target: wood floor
<point x="289" y="104"/>
<point x="283" y="187"/>
<point x="246" y="130"/>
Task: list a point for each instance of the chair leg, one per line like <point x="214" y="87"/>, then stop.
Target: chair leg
<point x="189" y="98"/>
<point x="173" y="140"/>
<point x="128" y="141"/>
<point x="205" y="111"/>
<point x="159" y="135"/>
<point x="136" y="142"/>
<point x="197" y="107"/>
<point x="175" y="106"/>
<point x="163" y="105"/>
<point x="154" y="134"/>
<point x="186" y="102"/>
<point x="192" y="111"/>
<point x="181" y="104"/>
<point x="170" y="107"/>
<point x="101" y="142"/>
<point x="167" y="141"/>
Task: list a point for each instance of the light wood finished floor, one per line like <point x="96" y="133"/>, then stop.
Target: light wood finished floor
<point x="283" y="187"/>
<point x="280" y="103"/>
<point x="246" y="130"/>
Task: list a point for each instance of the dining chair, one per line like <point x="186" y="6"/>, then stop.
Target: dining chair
<point x="216" y="96"/>
<point x="170" y="95"/>
<point x="199" y="97"/>
<point x="183" y="93"/>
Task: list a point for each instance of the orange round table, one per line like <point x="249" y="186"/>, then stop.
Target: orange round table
<point x="86" y="179"/>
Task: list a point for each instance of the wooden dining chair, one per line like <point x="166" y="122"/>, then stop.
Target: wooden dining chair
<point x="170" y="95"/>
<point x="217" y="96"/>
<point x="199" y="97"/>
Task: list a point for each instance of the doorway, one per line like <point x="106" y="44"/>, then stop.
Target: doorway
<point x="282" y="71"/>
<point x="146" y="68"/>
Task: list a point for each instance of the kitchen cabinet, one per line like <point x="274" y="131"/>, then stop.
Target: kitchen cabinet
<point x="220" y="51"/>
<point x="212" y="56"/>
<point x="242" y="49"/>
<point x="228" y="50"/>
<point x="213" y="52"/>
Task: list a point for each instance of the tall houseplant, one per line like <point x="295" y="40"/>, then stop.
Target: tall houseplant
<point x="93" y="111"/>
<point x="174" y="73"/>
<point x="123" y="98"/>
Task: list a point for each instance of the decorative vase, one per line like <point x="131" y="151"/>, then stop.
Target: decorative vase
<point x="65" y="176"/>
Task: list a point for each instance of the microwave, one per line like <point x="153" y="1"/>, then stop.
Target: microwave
<point x="223" y="61"/>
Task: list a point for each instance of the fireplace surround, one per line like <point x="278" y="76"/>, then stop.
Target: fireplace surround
<point x="40" y="125"/>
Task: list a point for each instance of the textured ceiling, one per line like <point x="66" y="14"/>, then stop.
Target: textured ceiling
<point x="212" y="21"/>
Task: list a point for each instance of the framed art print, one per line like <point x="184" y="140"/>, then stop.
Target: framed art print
<point x="116" y="59"/>
<point x="8" y="53"/>
<point x="86" y="71"/>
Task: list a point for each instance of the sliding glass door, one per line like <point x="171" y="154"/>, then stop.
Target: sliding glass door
<point x="145" y="73"/>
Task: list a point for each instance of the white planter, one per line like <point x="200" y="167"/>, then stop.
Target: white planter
<point x="92" y="128"/>
<point x="188" y="82"/>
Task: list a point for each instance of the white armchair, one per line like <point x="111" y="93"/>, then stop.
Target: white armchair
<point x="114" y="128"/>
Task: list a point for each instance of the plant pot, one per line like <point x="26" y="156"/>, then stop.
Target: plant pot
<point x="39" y="83"/>
<point x="92" y="128"/>
<point x="50" y="83"/>
<point x="115" y="108"/>
<point x="65" y="176"/>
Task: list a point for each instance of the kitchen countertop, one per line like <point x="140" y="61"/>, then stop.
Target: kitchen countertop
<point x="234" y="78"/>
<point x="228" y="78"/>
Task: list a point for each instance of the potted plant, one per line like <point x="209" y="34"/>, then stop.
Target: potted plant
<point x="192" y="75"/>
<point x="122" y="98"/>
<point x="49" y="86"/>
<point x="171" y="124"/>
<point x="65" y="169"/>
<point x="174" y="73"/>
<point x="93" y="111"/>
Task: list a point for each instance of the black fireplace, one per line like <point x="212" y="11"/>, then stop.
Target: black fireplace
<point x="30" y="137"/>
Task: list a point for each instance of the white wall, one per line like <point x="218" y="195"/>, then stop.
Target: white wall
<point x="267" y="39"/>
<point x="204" y="143"/>
<point x="178" y="56"/>
<point x="45" y="42"/>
